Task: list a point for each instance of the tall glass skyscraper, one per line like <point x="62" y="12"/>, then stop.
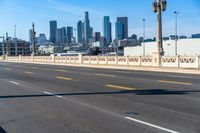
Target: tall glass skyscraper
<point x="86" y="28"/>
<point x="61" y="36"/>
<point x="69" y="35"/>
<point x="53" y="30"/>
<point x="119" y="31"/>
<point x="107" y="30"/>
<point x="80" y="32"/>
<point x="124" y="22"/>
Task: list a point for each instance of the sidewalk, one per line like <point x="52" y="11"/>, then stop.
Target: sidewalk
<point x="134" y="68"/>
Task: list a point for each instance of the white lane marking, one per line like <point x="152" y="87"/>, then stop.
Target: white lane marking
<point x="58" y="96"/>
<point x="48" y="93"/>
<point x="151" y="125"/>
<point x="174" y="76"/>
<point x="14" y="82"/>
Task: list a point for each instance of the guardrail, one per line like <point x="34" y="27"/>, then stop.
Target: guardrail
<point x="146" y="61"/>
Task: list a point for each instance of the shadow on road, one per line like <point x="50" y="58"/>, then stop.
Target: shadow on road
<point x="136" y="92"/>
<point x="2" y="130"/>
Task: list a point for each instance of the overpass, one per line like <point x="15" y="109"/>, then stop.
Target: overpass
<point x="55" y="94"/>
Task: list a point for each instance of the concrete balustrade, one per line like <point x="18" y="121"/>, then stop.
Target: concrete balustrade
<point x="146" y="61"/>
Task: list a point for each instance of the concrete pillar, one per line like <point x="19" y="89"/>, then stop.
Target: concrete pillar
<point x="127" y="60"/>
<point x="53" y="58"/>
<point x="116" y="60"/>
<point x="199" y="62"/>
<point x="80" y="58"/>
<point x="156" y="59"/>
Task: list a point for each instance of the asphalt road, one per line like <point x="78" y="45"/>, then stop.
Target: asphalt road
<point x="59" y="99"/>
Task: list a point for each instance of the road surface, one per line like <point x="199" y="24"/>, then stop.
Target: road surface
<point x="59" y="99"/>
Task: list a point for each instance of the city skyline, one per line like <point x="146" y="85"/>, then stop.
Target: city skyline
<point x="69" y="13"/>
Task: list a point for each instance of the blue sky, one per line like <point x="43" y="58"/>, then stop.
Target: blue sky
<point x="67" y="12"/>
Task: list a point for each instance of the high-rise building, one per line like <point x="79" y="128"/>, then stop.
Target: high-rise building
<point x="41" y="40"/>
<point x="107" y="30"/>
<point x="53" y="30"/>
<point x="87" y="30"/>
<point x="119" y="34"/>
<point x="69" y="35"/>
<point x="97" y="36"/>
<point x="61" y="36"/>
<point x="80" y="32"/>
<point x="124" y="22"/>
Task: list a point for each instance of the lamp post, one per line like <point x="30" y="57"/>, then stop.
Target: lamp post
<point x="159" y="6"/>
<point x="33" y="39"/>
<point x="143" y="37"/>
<point x="3" y="47"/>
<point x="176" y="32"/>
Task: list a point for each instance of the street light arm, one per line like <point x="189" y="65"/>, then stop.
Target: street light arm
<point x="163" y="5"/>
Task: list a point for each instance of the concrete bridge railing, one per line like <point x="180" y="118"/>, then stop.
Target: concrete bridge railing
<point x="143" y="61"/>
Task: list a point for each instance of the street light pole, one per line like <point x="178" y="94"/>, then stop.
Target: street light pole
<point x="33" y="39"/>
<point x="176" y="32"/>
<point x="3" y="47"/>
<point x="158" y="7"/>
<point x="144" y="37"/>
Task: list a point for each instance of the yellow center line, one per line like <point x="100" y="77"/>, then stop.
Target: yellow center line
<point x="60" y="70"/>
<point x="106" y="75"/>
<point x="174" y="82"/>
<point x="63" y="78"/>
<point x="27" y="72"/>
<point x="120" y="87"/>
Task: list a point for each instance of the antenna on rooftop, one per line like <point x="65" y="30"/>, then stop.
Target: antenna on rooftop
<point x="15" y="28"/>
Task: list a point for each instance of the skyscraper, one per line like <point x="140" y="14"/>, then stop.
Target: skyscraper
<point x="119" y="31"/>
<point x="97" y="36"/>
<point x="69" y="35"/>
<point x="124" y="22"/>
<point x="107" y="30"/>
<point x="87" y="28"/>
<point x="61" y="36"/>
<point x="80" y="31"/>
<point x="53" y="29"/>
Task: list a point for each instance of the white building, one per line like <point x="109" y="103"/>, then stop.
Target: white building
<point x="184" y="47"/>
<point x="50" y="49"/>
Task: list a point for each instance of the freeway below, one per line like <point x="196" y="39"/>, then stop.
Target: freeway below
<point x="64" y="99"/>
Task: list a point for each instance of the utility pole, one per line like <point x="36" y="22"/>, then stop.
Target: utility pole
<point x="15" y="40"/>
<point x="176" y="32"/>
<point x="3" y="47"/>
<point x="159" y="6"/>
<point x="33" y="39"/>
<point x="7" y="45"/>
<point x="144" y="37"/>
